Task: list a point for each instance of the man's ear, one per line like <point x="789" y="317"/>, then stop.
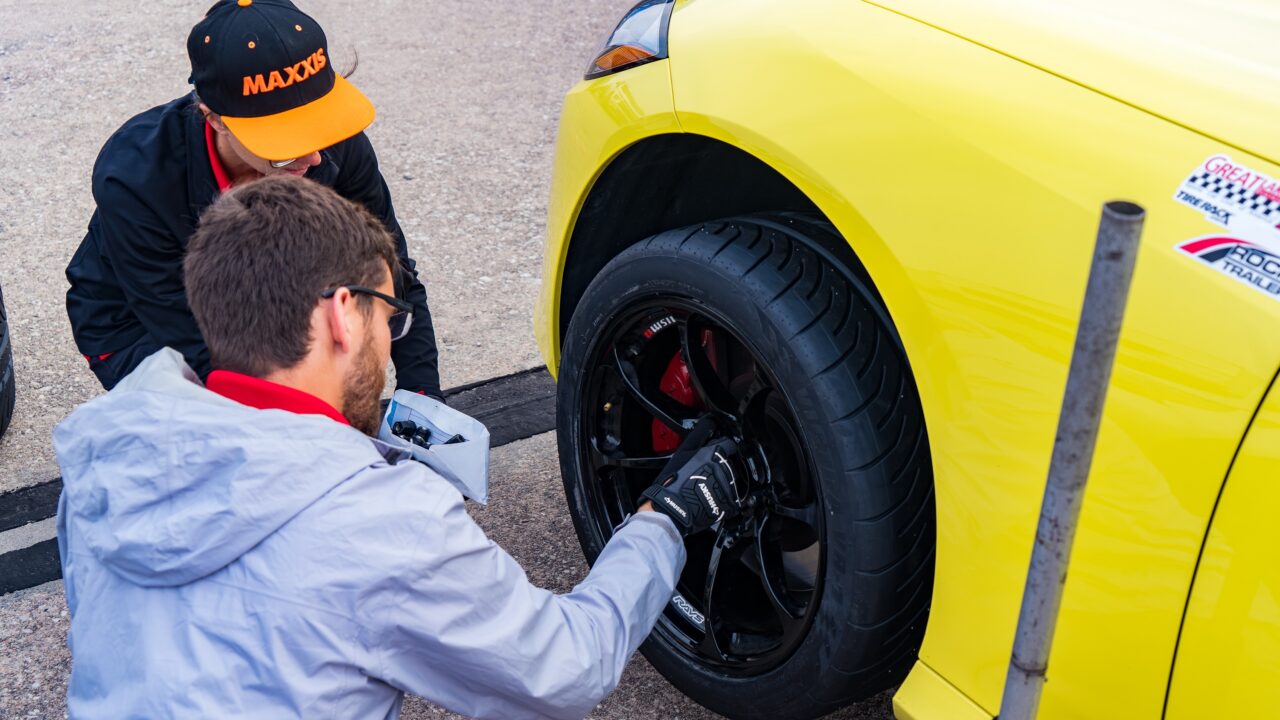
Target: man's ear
<point x="337" y="312"/>
<point x="213" y="118"/>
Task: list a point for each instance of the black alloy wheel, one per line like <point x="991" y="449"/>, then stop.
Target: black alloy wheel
<point x="816" y="595"/>
<point x="749" y="588"/>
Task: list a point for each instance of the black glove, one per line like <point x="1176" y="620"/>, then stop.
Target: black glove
<point x="700" y="493"/>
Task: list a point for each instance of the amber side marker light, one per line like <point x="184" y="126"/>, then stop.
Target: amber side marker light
<point x="619" y="57"/>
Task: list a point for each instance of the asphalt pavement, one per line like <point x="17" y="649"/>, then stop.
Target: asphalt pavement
<point x="468" y="97"/>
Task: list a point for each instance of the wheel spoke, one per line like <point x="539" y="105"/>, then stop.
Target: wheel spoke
<point x="624" y="496"/>
<point x="790" y="619"/>
<point x="609" y="469"/>
<point x="617" y="459"/>
<point x="666" y="410"/>
<point x="653" y="463"/>
<point x="807" y="514"/>
<point x="705" y="378"/>
<point x="787" y="614"/>
<point x="599" y="458"/>
<point x="710" y="642"/>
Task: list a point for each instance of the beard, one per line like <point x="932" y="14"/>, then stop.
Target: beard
<point x="362" y="392"/>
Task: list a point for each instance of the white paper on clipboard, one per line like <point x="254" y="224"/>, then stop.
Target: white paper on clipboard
<point x="464" y="464"/>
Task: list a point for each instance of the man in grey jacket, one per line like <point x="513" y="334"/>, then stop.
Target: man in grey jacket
<point x="246" y="549"/>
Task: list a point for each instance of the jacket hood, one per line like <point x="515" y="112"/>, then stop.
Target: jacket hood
<point x="167" y="482"/>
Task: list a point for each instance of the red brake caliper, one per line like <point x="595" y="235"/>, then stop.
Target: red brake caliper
<point x="676" y="384"/>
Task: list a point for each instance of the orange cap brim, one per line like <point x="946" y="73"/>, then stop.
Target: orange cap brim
<point x="341" y="113"/>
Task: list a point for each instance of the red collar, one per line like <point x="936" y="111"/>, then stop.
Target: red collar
<point x="266" y="395"/>
<point x="219" y="172"/>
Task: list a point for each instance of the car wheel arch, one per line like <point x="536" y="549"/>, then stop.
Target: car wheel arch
<point x="714" y="180"/>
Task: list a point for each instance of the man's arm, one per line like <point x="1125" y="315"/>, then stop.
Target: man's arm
<point x="415" y="355"/>
<point x="465" y="628"/>
<point x="147" y="261"/>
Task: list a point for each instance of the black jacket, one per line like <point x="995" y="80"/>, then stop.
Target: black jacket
<point x="151" y="182"/>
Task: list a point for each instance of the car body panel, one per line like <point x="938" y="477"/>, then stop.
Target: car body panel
<point x="974" y="208"/>
<point x="600" y="119"/>
<point x="925" y="695"/>
<point x="1229" y="655"/>
<point x="1212" y="65"/>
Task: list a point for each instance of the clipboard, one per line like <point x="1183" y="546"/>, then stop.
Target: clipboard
<point x="464" y="464"/>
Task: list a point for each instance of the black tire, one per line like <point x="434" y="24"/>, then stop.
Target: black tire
<point x="8" y="387"/>
<point x="840" y="368"/>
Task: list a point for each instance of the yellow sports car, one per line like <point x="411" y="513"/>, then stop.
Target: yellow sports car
<point x="856" y="235"/>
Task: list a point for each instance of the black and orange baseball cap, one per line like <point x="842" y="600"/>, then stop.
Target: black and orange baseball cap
<point x="263" y="65"/>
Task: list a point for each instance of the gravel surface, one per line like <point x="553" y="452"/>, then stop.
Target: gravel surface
<point x="526" y="515"/>
<point x="468" y="95"/>
<point x="34" y="662"/>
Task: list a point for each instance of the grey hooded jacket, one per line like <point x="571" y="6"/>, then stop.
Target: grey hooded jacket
<point x="223" y="561"/>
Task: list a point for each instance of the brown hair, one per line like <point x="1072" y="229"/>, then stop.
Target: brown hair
<point x="260" y="258"/>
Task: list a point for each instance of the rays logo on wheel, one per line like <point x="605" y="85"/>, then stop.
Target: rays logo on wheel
<point x="1245" y="261"/>
<point x="686" y="608"/>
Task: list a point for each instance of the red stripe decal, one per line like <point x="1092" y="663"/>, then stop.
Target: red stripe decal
<point x="1196" y="246"/>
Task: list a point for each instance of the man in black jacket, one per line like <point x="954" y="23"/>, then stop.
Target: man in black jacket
<point x="267" y="101"/>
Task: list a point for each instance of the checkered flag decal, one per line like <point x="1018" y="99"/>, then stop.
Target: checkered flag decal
<point x="1258" y="205"/>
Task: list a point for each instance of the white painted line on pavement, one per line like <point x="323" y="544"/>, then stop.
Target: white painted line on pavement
<point x="28" y="535"/>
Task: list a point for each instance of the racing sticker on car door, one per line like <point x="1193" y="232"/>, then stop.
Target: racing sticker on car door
<point x="1236" y="197"/>
<point x="1247" y="262"/>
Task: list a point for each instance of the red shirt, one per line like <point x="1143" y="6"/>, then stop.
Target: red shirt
<point x="215" y="162"/>
<point x="266" y="395"/>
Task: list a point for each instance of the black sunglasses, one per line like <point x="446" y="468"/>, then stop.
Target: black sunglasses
<point x="399" y="322"/>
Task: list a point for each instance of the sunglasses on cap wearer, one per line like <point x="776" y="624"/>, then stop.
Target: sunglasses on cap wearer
<point x="400" y="322"/>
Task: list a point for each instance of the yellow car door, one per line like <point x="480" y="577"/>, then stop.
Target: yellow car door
<point x="1228" y="662"/>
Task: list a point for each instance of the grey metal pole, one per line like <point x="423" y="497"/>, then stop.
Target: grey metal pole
<point x="1092" y="358"/>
